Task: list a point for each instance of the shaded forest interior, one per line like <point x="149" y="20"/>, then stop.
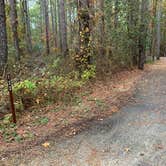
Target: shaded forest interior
<point x="52" y="48"/>
<point x="103" y="34"/>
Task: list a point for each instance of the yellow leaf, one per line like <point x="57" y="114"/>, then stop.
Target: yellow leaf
<point x="87" y="29"/>
<point x="127" y="149"/>
<point x="46" y="144"/>
<point x="37" y="101"/>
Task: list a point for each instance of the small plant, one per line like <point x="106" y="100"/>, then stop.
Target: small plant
<point x="8" y="130"/>
<point x="76" y="100"/>
<point x="59" y="88"/>
<point x="42" y="121"/>
<point x="56" y="63"/>
<point x="25" y="86"/>
<point x="24" y="92"/>
<point x="7" y="119"/>
<point x="101" y="105"/>
<point x="10" y="133"/>
<point x="90" y="73"/>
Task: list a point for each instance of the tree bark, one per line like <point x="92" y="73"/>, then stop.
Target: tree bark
<point x="53" y="22"/>
<point x="116" y="13"/>
<point x="101" y="27"/>
<point x="84" y="59"/>
<point x="132" y="23"/>
<point x="41" y="20"/>
<point x="101" y="22"/>
<point x="3" y="38"/>
<point x="27" y="26"/>
<point x="14" y="25"/>
<point x="46" y="18"/>
<point x="153" y="31"/>
<point x="63" y="27"/>
<point x="143" y="34"/>
<point x="158" y="29"/>
<point x="70" y="12"/>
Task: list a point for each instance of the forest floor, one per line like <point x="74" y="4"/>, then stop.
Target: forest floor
<point x="133" y="136"/>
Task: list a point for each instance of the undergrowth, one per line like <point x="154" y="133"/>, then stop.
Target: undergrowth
<point x="51" y="82"/>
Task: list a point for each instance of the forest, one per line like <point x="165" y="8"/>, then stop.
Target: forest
<point x="87" y="33"/>
<point x="58" y="52"/>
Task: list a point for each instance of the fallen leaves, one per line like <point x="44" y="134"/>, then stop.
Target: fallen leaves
<point x="46" y="145"/>
<point x="114" y="109"/>
<point x="38" y="101"/>
<point x="127" y="149"/>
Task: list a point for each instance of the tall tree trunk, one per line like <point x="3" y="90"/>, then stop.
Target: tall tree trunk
<point x="27" y="26"/>
<point x="116" y="13"/>
<point x="70" y="12"/>
<point x="101" y="22"/>
<point x="63" y="27"/>
<point x="41" y="20"/>
<point x="3" y="38"/>
<point x="153" y="29"/>
<point x="22" y="15"/>
<point x="59" y="26"/>
<point x="53" y="22"/>
<point x="46" y="18"/>
<point x="55" y="8"/>
<point x="109" y="26"/>
<point x="132" y="22"/>
<point x="143" y="34"/>
<point x="83" y="59"/>
<point x="14" y="25"/>
<point x="101" y="27"/>
<point x="158" y="29"/>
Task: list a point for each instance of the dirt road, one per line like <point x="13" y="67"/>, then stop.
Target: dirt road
<point x="135" y="136"/>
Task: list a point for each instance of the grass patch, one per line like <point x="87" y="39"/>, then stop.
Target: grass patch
<point x="41" y="121"/>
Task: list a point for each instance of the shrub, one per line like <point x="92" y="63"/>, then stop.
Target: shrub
<point x="89" y="73"/>
<point x="50" y="89"/>
<point x="58" y="88"/>
<point x="24" y="93"/>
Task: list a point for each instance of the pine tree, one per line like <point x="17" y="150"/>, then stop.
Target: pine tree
<point x="3" y="38"/>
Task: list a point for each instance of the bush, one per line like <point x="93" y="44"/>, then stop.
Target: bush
<point x="88" y="74"/>
<point x="25" y="92"/>
<point x="50" y="89"/>
<point x="58" y="88"/>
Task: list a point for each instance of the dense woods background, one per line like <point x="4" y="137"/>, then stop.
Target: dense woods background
<point x="107" y="34"/>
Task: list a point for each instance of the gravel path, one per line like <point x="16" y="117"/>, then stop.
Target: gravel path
<point x="135" y="136"/>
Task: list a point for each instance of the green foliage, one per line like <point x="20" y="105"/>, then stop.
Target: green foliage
<point x="41" y="121"/>
<point x="7" y="119"/>
<point x="25" y="86"/>
<point x="50" y="89"/>
<point x="58" y="88"/>
<point x="25" y="93"/>
<point x="38" y="47"/>
<point x="100" y="104"/>
<point x="56" y="63"/>
<point x="89" y="73"/>
<point x="9" y="131"/>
